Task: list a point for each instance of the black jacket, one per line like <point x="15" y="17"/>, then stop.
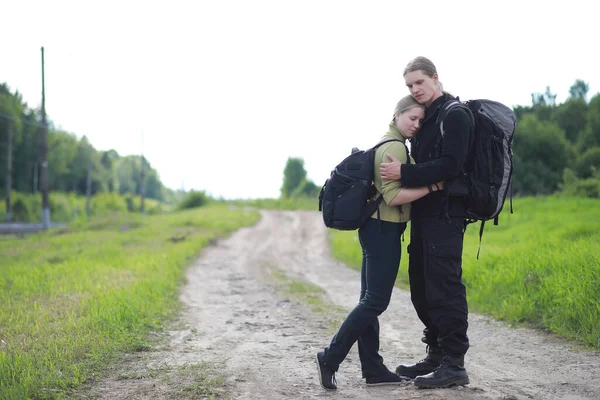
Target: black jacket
<point x="432" y="165"/>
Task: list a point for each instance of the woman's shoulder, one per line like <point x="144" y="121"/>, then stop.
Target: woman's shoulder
<point x="390" y="141"/>
<point x="395" y="147"/>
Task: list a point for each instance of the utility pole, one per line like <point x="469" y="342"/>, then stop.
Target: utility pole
<point x="35" y="177"/>
<point x="143" y="176"/>
<point x="88" y="191"/>
<point x="9" y="170"/>
<point x="44" y="174"/>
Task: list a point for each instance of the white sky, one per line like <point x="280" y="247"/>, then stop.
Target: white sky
<point x="225" y="91"/>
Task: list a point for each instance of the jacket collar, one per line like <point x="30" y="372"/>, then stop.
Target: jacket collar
<point x="435" y="106"/>
<point x="395" y="133"/>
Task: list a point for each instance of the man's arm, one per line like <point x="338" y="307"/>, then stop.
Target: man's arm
<point x="457" y="128"/>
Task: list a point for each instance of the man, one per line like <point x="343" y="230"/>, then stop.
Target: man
<point x="437" y="230"/>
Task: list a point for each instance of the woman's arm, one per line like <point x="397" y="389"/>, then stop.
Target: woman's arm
<point x="408" y="195"/>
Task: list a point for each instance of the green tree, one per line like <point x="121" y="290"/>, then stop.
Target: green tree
<point x="11" y="109"/>
<point x="307" y="188"/>
<point x="128" y="173"/>
<point x="108" y="160"/>
<point x="543" y="104"/>
<point x="62" y="149"/>
<point x="588" y="163"/>
<point x="154" y="187"/>
<point x="541" y="154"/>
<point x="572" y="116"/>
<point x="592" y="136"/>
<point x="579" y="90"/>
<point x="293" y="175"/>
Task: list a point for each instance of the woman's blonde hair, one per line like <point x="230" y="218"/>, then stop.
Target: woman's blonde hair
<point x="405" y="104"/>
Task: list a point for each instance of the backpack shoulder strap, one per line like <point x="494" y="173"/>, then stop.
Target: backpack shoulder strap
<point x="451" y="105"/>
<point x="385" y="141"/>
<point x="395" y="140"/>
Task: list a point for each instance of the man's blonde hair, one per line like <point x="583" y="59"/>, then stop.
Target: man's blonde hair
<point x="425" y="65"/>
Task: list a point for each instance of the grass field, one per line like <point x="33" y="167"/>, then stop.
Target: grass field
<point x="74" y="298"/>
<point x="539" y="266"/>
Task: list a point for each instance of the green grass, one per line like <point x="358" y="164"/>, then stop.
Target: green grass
<point x="308" y="293"/>
<point x="539" y="266"/>
<point x="199" y="380"/>
<point x="73" y="299"/>
<point x="312" y="296"/>
<point x="295" y="203"/>
<point x="68" y="207"/>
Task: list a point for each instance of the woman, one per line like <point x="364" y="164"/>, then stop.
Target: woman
<point x="380" y="242"/>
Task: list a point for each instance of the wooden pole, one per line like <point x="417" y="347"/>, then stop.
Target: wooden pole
<point x="44" y="172"/>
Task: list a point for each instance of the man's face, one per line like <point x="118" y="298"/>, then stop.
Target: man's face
<point x="422" y="87"/>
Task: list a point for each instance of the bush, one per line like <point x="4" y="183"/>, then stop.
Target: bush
<point x="105" y="203"/>
<point x="60" y="208"/>
<point x="20" y="211"/>
<point x="67" y="207"/>
<point x="588" y="163"/>
<point x="589" y="187"/>
<point x="193" y="199"/>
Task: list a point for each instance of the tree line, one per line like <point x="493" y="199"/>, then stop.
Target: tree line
<point x="556" y="148"/>
<point x="69" y="158"/>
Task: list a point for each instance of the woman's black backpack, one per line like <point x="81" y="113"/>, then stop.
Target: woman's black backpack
<point x="347" y="198"/>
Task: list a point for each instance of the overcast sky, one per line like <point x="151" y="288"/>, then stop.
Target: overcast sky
<point x="225" y="91"/>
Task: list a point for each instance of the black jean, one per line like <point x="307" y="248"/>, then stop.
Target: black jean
<point x="435" y="273"/>
<point x="381" y="247"/>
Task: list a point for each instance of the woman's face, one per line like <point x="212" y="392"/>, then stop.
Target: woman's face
<point x="409" y="121"/>
<point x="422" y="87"/>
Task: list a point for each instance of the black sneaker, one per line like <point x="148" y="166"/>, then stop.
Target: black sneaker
<point x="326" y="374"/>
<point x="389" y="378"/>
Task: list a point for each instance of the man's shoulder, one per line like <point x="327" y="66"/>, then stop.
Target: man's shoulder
<point x="455" y="111"/>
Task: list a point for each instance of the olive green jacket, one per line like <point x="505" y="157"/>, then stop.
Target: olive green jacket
<point x="390" y="189"/>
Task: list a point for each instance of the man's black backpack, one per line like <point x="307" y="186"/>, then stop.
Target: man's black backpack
<point x="347" y="197"/>
<point x="488" y="169"/>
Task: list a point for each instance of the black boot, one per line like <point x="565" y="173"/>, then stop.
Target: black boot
<point x="451" y="372"/>
<point x="423" y="367"/>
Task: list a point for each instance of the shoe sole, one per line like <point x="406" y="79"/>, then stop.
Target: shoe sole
<point x="413" y="375"/>
<point x="320" y="375"/>
<point x="454" y="382"/>
<point x="389" y="383"/>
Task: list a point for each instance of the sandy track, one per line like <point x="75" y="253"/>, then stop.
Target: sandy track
<point x="240" y="320"/>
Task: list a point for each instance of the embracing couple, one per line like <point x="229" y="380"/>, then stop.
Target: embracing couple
<point x="413" y="191"/>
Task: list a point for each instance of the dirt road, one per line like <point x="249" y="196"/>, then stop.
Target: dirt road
<point x="259" y="304"/>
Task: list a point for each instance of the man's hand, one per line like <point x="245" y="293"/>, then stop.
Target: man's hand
<point x="390" y="171"/>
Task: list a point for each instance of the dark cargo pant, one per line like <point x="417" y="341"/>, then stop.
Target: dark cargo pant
<point x="435" y="273"/>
